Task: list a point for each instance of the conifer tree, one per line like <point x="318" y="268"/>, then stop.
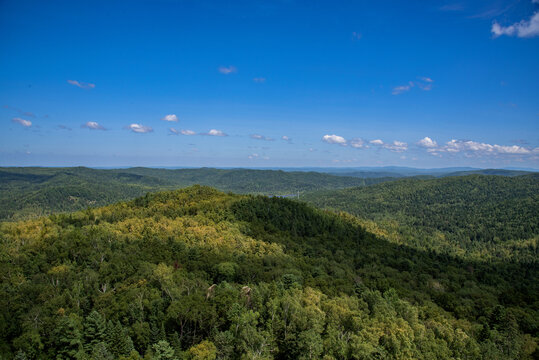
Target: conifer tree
<point x="95" y="329"/>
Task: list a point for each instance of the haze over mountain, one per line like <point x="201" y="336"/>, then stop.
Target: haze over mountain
<point x="30" y="192"/>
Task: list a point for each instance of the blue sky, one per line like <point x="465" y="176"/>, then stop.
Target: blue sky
<point x="269" y="83"/>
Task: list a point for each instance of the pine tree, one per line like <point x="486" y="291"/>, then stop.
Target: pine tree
<point x="95" y="329"/>
<point x="119" y="342"/>
<point x="100" y="351"/>
<point x="68" y="338"/>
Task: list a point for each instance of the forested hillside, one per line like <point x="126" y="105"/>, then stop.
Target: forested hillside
<point x="31" y="192"/>
<point x="199" y="274"/>
<point x="477" y="217"/>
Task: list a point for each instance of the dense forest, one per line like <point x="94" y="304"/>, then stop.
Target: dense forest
<point x="200" y="274"/>
<point x="476" y="217"/>
<point x="31" y="192"/>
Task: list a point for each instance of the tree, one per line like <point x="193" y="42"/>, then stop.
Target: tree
<point x="206" y="350"/>
<point x="163" y="350"/>
<point x="95" y="330"/>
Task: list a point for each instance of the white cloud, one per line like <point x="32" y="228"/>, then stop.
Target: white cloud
<point x="187" y="132"/>
<point x="259" y="80"/>
<point x="214" y="132"/>
<point x="173" y="131"/>
<point x="427" y="142"/>
<point x="396" y="146"/>
<point x="455" y="146"/>
<point x="334" y="139"/>
<point x="23" y="122"/>
<point x="170" y="117"/>
<point x="287" y="139"/>
<point x="260" y="137"/>
<point x="356" y="35"/>
<point x="471" y="148"/>
<point x="358" y="143"/>
<point x="140" y="129"/>
<point x="397" y="90"/>
<point x="92" y="125"/>
<point x="82" y="85"/>
<point x="424" y="86"/>
<point x="253" y="156"/>
<point x="227" y="70"/>
<point x="424" y="83"/>
<point x="523" y="29"/>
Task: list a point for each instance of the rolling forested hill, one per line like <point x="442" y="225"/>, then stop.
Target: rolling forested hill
<point x="30" y="192"/>
<point x="480" y="217"/>
<point x="200" y="274"/>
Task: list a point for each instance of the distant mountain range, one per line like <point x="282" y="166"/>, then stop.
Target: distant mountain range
<point x="29" y="192"/>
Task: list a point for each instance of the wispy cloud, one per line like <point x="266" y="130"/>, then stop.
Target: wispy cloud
<point x="63" y="127"/>
<point x="287" y="139"/>
<point x="259" y="80"/>
<point x="82" y="85"/>
<point x="214" y="132"/>
<point x="253" y="156"/>
<point x="358" y="143"/>
<point x="523" y="29"/>
<point x="334" y="139"/>
<point x="92" y="125"/>
<point x="227" y="70"/>
<point x="140" y="129"/>
<point x="356" y="35"/>
<point x="23" y="122"/>
<point x="170" y="117"/>
<point x="424" y="83"/>
<point x="187" y="132"/>
<point x="397" y="90"/>
<point x="21" y="112"/>
<point x="174" y="131"/>
<point x="395" y="146"/>
<point x="260" y="137"/>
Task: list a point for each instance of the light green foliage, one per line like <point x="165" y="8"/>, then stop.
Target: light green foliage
<point x="163" y="351"/>
<point x="206" y="350"/>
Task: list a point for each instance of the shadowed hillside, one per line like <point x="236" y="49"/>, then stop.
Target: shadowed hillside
<point x="481" y="217"/>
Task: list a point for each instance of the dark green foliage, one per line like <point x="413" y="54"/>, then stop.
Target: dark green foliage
<point x="199" y="274"/>
<point x="95" y="330"/>
<point x="480" y="217"/>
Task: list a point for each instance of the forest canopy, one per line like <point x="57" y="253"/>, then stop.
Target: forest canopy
<point x="200" y="274"/>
